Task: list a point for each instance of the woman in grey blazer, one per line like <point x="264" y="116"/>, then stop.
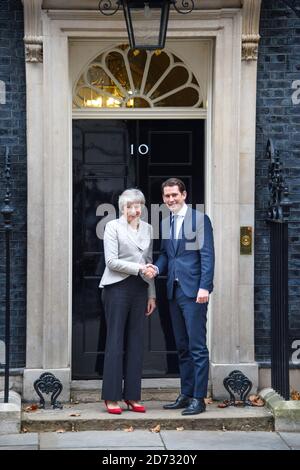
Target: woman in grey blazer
<point x="128" y="296"/>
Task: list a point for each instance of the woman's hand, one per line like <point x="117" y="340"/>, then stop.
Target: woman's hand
<point x="151" y="306"/>
<point x="148" y="270"/>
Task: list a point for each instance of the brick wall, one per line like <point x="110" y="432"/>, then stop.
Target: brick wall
<point x="279" y="118"/>
<point x="13" y="135"/>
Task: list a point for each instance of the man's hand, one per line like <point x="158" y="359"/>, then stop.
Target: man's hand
<point x="150" y="271"/>
<point x="151" y="306"/>
<point x="202" y="296"/>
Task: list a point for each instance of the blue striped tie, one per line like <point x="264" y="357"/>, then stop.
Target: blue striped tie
<point x="174" y="220"/>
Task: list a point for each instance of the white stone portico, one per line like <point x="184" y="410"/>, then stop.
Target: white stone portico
<point x="230" y="163"/>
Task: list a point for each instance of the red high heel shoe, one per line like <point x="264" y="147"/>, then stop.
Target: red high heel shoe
<point x="115" y="411"/>
<point x="137" y="408"/>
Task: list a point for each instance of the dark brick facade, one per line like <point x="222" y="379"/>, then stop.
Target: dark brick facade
<point x="13" y="135"/>
<point x="279" y="118"/>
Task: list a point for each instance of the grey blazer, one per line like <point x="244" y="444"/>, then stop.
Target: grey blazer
<point x="125" y="250"/>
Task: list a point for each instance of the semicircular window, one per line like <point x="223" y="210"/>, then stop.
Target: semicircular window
<point x="126" y="78"/>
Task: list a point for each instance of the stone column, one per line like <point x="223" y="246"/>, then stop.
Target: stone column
<point x="233" y="327"/>
<point x="47" y="347"/>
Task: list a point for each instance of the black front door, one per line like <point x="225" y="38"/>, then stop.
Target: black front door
<point x="108" y="157"/>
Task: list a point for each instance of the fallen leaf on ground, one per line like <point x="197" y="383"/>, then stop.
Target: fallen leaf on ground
<point x="60" y="431"/>
<point x="239" y="403"/>
<point x="224" y="404"/>
<point x="156" y="428"/>
<point x="130" y="429"/>
<point x="180" y="428"/>
<point x="295" y="395"/>
<point x="75" y="402"/>
<point x="30" y="408"/>
<point x="256" y="400"/>
<point x="75" y="414"/>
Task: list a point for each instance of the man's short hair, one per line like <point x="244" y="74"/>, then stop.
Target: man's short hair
<point x="173" y="182"/>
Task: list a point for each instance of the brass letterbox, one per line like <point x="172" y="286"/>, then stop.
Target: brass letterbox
<point x="246" y="240"/>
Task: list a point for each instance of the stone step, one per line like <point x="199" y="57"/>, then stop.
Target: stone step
<point x="149" y="394"/>
<point x="89" y="391"/>
<point x="93" y="416"/>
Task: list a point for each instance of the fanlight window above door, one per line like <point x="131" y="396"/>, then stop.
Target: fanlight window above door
<point x="126" y="78"/>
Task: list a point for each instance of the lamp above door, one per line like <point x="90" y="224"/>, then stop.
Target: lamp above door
<point x="146" y="20"/>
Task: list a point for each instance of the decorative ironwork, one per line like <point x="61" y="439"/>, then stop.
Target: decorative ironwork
<point x="279" y="203"/>
<point x="7" y="211"/>
<point x="149" y="37"/>
<point x="278" y="216"/>
<point x="108" y="7"/>
<point x="48" y="383"/>
<point x="184" y="6"/>
<point x="237" y="383"/>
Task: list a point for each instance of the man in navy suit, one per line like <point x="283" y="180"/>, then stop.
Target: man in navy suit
<point x="187" y="256"/>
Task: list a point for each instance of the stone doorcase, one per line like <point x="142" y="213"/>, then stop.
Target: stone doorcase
<point x="230" y="180"/>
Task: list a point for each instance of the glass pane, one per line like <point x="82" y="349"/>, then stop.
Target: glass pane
<point x="158" y="65"/>
<point x="137" y="103"/>
<point x="194" y="80"/>
<point x="176" y="59"/>
<point x="97" y="77"/>
<point x="186" y="97"/>
<point x="137" y="61"/>
<point x="115" y="64"/>
<point x="145" y="32"/>
<point x="177" y="77"/>
<point x="89" y="98"/>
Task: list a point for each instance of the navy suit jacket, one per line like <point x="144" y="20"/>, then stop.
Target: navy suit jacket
<point x="191" y="260"/>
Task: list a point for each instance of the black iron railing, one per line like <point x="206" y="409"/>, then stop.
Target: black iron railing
<point x="278" y="215"/>
<point x="7" y="211"/>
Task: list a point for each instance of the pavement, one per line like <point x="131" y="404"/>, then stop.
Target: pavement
<point x="176" y="440"/>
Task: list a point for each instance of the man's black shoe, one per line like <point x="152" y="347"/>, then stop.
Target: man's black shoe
<point x="182" y="401"/>
<point x="196" y="407"/>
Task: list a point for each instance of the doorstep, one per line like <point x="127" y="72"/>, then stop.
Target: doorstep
<point x="89" y="391"/>
<point x="93" y="416"/>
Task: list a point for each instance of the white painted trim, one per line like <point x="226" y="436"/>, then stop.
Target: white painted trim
<point x="209" y="170"/>
<point x="96" y="17"/>
<point x="140" y="113"/>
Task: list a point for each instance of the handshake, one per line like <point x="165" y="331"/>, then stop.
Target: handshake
<point x="149" y="270"/>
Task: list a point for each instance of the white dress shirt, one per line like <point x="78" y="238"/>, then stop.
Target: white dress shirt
<point x="180" y="217"/>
